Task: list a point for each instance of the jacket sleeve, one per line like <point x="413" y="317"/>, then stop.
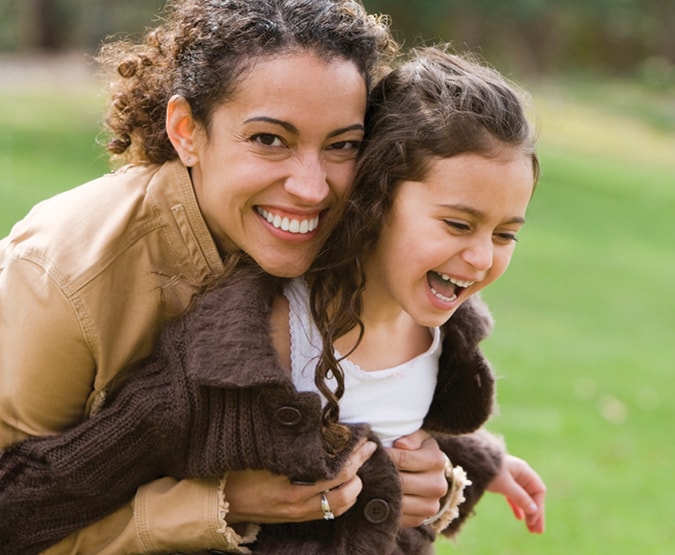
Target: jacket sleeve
<point x="41" y="335"/>
<point x="166" y="515"/>
<point x="51" y="486"/>
<point x="480" y="454"/>
<point x="46" y="366"/>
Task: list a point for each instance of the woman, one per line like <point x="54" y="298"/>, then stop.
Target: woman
<point x="215" y="398"/>
<point x="88" y="277"/>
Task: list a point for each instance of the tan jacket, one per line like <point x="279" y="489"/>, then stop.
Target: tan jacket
<point x="86" y="280"/>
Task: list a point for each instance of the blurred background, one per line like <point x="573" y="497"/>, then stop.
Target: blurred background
<point x="584" y="342"/>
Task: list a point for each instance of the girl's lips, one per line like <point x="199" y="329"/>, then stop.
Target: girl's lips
<point x="444" y="290"/>
<point x="291" y="223"/>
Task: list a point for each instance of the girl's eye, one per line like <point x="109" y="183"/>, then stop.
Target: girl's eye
<point x="459" y="226"/>
<point x="267" y="139"/>
<point x="507" y="236"/>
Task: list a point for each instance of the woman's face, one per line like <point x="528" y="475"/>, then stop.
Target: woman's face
<point x="451" y="235"/>
<point x="277" y="157"/>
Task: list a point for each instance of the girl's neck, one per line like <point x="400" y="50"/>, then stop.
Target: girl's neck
<point x="391" y="337"/>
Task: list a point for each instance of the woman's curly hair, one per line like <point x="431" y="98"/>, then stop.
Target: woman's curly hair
<point x="434" y="105"/>
<point x="202" y="48"/>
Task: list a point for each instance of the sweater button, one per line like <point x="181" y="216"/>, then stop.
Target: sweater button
<point x="288" y="416"/>
<point x="376" y="511"/>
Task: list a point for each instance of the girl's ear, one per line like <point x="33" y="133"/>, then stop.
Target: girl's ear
<point x="182" y="130"/>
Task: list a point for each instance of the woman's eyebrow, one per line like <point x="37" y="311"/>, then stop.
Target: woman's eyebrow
<point x="292" y="129"/>
<point x="287" y="126"/>
<point x="355" y="127"/>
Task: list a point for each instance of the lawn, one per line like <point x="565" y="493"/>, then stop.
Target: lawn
<point x="584" y="340"/>
<point x="584" y="344"/>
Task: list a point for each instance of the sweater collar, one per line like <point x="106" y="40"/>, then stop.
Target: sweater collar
<point x="229" y="342"/>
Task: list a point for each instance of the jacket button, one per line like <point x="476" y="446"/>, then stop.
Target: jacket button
<point x="288" y="416"/>
<point x="376" y="511"/>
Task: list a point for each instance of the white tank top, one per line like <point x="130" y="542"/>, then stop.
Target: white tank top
<point x="394" y="401"/>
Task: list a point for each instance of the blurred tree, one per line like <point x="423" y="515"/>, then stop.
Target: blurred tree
<point x="45" y="24"/>
<point x="543" y="35"/>
<point x="53" y="25"/>
<point x="527" y="36"/>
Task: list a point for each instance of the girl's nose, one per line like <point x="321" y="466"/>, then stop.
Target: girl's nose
<point x="480" y="253"/>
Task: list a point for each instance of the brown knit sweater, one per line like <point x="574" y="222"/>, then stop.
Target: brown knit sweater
<point x="213" y="399"/>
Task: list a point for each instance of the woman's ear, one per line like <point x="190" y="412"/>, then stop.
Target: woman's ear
<point x="182" y="130"/>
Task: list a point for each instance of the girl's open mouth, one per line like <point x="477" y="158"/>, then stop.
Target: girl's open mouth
<point x="446" y="288"/>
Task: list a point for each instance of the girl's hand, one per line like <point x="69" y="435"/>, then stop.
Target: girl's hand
<point x="421" y="467"/>
<point x="524" y="491"/>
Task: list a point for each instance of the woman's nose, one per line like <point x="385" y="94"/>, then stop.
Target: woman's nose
<point x="307" y="181"/>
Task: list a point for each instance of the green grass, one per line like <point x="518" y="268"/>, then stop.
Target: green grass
<point x="584" y="342"/>
<point x="48" y="143"/>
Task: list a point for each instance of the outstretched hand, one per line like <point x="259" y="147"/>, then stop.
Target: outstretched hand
<point x="524" y="491"/>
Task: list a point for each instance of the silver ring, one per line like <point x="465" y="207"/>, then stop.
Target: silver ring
<point x="325" y="507"/>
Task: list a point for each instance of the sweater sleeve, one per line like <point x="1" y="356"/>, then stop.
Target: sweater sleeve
<point x="480" y="454"/>
<point x="51" y="486"/>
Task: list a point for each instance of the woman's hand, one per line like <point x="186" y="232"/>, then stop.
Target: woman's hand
<point x="421" y="467"/>
<point x="262" y="497"/>
<point x="524" y="491"/>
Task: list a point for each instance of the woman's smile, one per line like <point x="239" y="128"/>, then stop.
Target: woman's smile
<point x="286" y="222"/>
<point x="278" y="158"/>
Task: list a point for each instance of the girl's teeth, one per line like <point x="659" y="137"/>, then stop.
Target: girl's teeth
<point x="443" y="297"/>
<point x="291" y="225"/>
<point x="463" y="284"/>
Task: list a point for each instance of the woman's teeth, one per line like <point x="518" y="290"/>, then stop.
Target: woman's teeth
<point x="292" y="225"/>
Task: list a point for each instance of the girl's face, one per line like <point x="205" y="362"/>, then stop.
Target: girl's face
<point x="278" y="156"/>
<point x="451" y="235"/>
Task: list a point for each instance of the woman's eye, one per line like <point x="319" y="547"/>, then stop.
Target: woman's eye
<point x="346" y="145"/>
<point x="267" y="139"/>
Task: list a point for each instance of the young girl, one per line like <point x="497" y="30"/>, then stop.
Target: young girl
<point x="447" y="171"/>
<point x="444" y="181"/>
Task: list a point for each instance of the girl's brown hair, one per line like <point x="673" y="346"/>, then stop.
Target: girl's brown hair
<point x="434" y="105"/>
<point x="203" y="47"/>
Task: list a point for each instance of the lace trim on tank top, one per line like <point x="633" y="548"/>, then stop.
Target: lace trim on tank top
<point x="393" y="400"/>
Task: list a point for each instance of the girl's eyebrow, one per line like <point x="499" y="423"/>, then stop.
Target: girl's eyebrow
<point x="294" y="130"/>
<point x="479" y="214"/>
